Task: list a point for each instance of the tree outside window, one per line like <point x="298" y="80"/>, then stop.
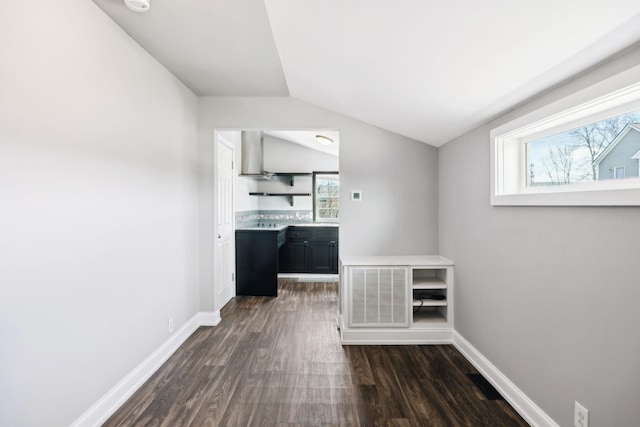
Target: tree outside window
<point x="326" y="196"/>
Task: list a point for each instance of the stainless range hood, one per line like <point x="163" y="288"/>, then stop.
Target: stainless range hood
<point x="252" y="164"/>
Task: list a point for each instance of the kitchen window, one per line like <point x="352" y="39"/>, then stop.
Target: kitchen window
<point x="583" y="150"/>
<point x="326" y="196"/>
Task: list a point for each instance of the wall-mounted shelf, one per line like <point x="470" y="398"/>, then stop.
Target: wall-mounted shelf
<point x="291" y="175"/>
<point x="289" y="195"/>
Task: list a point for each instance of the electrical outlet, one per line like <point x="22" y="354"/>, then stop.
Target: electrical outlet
<point x="580" y="416"/>
<point x="171" y="325"/>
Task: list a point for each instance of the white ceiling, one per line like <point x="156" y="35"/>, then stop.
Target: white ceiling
<point x="307" y="139"/>
<point x="426" y="70"/>
<point x="216" y="47"/>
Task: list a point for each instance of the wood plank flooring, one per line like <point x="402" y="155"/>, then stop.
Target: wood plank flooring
<point x="279" y="362"/>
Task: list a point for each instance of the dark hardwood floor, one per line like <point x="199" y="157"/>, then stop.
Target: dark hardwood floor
<point x="279" y="362"/>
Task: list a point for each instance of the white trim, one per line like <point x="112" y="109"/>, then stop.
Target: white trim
<point x="308" y="277"/>
<point x="209" y="318"/>
<point x="526" y="407"/>
<point x="615" y="174"/>
<point x="400" y="336"/>
<point x="100" y="411"/>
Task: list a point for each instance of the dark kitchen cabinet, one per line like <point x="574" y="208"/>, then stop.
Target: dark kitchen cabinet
<point x="295" y="252"/>
<point x="296" y="257"/>
<point x="324" y="257"/>
<point x="257" y="258"/>
<point x="310" y="250"/>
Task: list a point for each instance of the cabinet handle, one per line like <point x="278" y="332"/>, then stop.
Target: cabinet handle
<point x="333" y="242"/>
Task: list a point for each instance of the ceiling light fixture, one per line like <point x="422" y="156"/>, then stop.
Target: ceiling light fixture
<point x="324" y="140"/>
<point x="138" y="5"/>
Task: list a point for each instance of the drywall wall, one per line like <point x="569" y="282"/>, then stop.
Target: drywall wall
<point x="535" y="291"/>
<point x="287" y="156"/>
<point x="98" y="208"/>
<point x="397" y="176"/>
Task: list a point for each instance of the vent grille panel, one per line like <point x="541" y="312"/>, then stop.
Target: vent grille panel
<point x="357" y="291"/>
<point x="399" y="296"/>
<point x="372" y="301"/>
<point x="379" y="297"/>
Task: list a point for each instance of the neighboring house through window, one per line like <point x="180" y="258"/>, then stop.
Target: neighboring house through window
<point x="326" y="196"/>
<point x="617" y="160"/>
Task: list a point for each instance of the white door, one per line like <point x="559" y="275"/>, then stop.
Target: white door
<point x="225" y="245"/>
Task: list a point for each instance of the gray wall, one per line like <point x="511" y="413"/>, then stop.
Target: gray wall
<point x="620" y="155"/>
<point x="398" y="178"/>
<point x="535" y="291"/>
<point x="98" y="208"/>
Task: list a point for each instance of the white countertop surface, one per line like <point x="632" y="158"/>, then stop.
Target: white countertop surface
<point x="403" y="260"/>
<point x="256" y="228"/>
<point x="283" y="226"/>
<point x="315" y="224"/>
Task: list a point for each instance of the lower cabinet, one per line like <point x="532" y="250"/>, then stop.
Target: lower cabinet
<point x="310" y="250"/>
<point x="324" y="257"/>
<point x="295" y="256"/>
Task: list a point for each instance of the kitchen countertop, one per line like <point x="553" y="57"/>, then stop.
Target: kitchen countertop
<point x="315" y="224"/>
<point x="256" y="228"/>
<point x="284" y="226"/>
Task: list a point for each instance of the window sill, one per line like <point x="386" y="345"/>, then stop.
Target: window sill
<point x="604" y="193"/>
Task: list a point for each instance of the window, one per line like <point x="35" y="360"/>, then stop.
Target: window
<point x="581" y="150"/>
<point x="586" y="153"/>
<point x="326" y="196"/>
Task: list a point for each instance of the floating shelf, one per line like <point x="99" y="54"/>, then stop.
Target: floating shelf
<point x="292" y="175"/>
<point x="267" y="176"/>
<point x="289" y="195"/>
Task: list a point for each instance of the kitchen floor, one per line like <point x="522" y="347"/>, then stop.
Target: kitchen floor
<point x="279" y="362"/>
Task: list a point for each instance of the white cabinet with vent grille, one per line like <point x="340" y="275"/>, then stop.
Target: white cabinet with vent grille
<point x="396" y="300"/>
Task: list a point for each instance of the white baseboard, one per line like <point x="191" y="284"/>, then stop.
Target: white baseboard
<point x="354" y="336"/>
<point x="526" y="407"/>
<point x="114" y="398"/>
<point x="307" y="277"/>
<point x="209" y="318"/>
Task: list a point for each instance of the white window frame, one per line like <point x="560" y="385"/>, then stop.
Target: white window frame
<point x="316" y="209"/>
<point x="616" y="95"/>
<point x="615" y="172"/>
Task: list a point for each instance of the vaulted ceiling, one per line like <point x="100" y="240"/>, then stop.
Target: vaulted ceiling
<point x="423" y="69"/>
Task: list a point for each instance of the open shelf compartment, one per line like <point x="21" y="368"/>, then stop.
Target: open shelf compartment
<point x="429" y="278"/>
<point x="427" y="316"/>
